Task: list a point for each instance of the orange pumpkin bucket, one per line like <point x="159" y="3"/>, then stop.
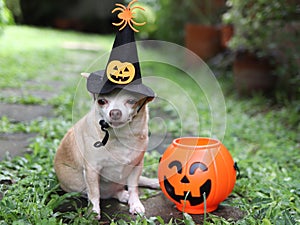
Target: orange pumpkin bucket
<point x="196" y="174"/>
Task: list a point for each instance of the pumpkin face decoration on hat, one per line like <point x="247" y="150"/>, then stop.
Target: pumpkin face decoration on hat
<point x="120" y="73"/>
<point x="123" y="68"/>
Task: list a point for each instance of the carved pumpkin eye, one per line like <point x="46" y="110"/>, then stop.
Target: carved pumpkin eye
<point x="177" y="164"/>
<point x="197" y="165"/>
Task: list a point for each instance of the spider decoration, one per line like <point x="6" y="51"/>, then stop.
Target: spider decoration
<point x="127" y="16"/>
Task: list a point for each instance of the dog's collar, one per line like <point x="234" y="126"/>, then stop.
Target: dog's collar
<point x="139" y="109"/>
<point x="104" y="125"/>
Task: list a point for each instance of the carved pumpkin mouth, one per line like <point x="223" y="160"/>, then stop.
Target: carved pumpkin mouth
<point x="205" y="188"/>
<point x="120" y="78"/>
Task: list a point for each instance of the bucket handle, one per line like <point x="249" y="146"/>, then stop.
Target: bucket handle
<point x="235" y="166"/>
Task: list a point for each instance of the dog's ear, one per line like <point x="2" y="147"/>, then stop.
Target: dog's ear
<point x="86" y="75"/>
<point x="149" y="99"/>
<point x="144" y="101"/>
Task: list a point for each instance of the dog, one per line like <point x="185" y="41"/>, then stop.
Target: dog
<point x="84" y="165"/>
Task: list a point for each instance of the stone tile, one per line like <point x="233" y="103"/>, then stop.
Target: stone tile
<point x="14" y="144"/>
<point x="16" y="92"/>
<point x="20" y="113"/>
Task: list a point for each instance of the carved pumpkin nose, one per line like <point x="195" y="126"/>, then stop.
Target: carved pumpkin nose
<point x="115" y="114"/>
<point x="185" y="180"/>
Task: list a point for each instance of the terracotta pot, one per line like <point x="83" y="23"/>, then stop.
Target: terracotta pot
<point x="252" y="74"/>
<point x="227" y="32"/>
<point x="62" y="23"/>
<point x="205" y="41"/>
<point x="195" y="171"/>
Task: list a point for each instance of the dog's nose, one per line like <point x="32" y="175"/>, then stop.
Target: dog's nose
<point x="115" y="114"/>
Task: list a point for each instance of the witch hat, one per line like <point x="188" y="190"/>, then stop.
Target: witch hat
<point x="123" y="68"/>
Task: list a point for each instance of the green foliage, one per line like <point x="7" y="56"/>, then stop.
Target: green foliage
<point x="207" y="12"/>
<point x="151" y="161"/>
<point x="264" y="141"/>
<point x="15" y="8"/>
<point x="269" y="29"/>
<point x="171" y="15"/>
<point x="174" y="14"/>
<point x="31" y="199"/>
<point x="28" y="99"/>
<point x="29" y="58"/>
<point x="5" y="15"/>
<point x="26" y="57"/>
<point x="255" y="22"/>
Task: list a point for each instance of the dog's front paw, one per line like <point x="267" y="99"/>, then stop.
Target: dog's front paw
<point x="98" y="217"/>
<point x="96" y="209"/>
<point x="122" y="196"/>
<point x="136" y="207"/>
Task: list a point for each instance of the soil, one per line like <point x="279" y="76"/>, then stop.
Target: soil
<point x="155" y="206"/>
<point x="161" y="206"/>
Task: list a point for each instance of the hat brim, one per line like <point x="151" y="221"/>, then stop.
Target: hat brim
<point x="96" y="85"/>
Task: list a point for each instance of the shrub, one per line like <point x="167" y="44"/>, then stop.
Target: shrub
<point x="5" y="15"/>
<point x="269" y="28"/>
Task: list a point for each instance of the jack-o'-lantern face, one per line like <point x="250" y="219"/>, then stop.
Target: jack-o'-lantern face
<point x="184" y="186"/>
<point x="194" y="169"/>
<point x="120" y="72"/>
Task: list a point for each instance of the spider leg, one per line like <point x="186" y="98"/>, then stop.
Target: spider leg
<point x="137" y="7"/>
<point x="132" y="27"/>
<point x="124" y="25"/>
<point x="117" y="9"/>
<point x="132" y="15"/>
<point x="130" y="3"/>
<point x="138" y="24"/>
<point x="120" y="5"/>
<point x="118" y="24"/>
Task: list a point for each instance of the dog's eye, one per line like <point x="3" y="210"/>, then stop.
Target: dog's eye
<point x="102" y="101"/>
<point x="131" y="101"/>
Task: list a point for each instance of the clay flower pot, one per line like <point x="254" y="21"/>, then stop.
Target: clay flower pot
<point x="205" y="41"/>
<point x="227" y="32"/>
<point x="195" y="172"/>
<point x="252" y="74"/>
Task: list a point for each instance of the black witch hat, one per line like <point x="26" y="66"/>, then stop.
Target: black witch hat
<point x="123" y="68"/>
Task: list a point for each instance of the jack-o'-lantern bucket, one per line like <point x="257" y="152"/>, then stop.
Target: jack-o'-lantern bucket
<point x="196" y="174"/>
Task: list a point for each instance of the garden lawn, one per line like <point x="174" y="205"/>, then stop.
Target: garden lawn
<point x="263" y="137"/>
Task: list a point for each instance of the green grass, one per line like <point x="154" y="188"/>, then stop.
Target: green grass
<point x="32" y="53"/>
<point x="263" y="137"/>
